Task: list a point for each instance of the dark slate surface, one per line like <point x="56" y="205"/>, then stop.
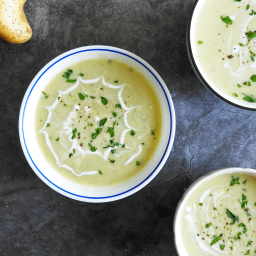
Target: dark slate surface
<point x="35" y="220"/>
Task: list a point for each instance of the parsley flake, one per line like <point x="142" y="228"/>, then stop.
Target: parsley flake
<point x="234" y="181"/>
<point x="111" y="161"/>
<point x="74" y="133"/>
<point x="200" y="204"/>
<point x="57" y="139"/>
<point x="208" y="225"/>
<point x="114" y="113"/>
<point x="92" y="148"/>
<point x="137" y="163"/>
<point x="118" y="106"/>
<point x="242" y="225"/>
<point x="227" y="20"/>
<point x="249" y="98"/>
<point x="46" y="96"/>
<point x="81" y="74"/>
<point x="200" y="42"/>
<point x="253" y="78"/>
<point x="104" y="101"/>
<point x="100" y="172"/>
<point x="102" y="121"/>
<point x="48" y="124"/>
<point x="247" y="7"/>
<point x="222" y="246"/>
<point x="132" y="132"/>
<point x="232" y="216"/>
<point x="215" y="240"/>
<point x="82" y="96"/>
<point x="98" y="131"/>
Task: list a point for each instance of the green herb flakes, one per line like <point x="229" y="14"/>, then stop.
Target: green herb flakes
<point x="81" y="74"/>
<point x="200" y="42"/>
<point x="234" y="181"/>
<point x="239" y="86"/>
<point x="92" y="97"/>
<point x="247" y="7"/>
<point x="244" y="182"/>
<point x="111" y="161"/>
<point x="222" y="246"/>
<point x="68" y="73"/>
<point x="74" y="133"/>
<point x="252" y="13"/>
<point x="82" y="96"/>
<point x="95" y="134"/>
<point x="243" y="202"/>
<point x="102" y="121"/>
<point x="247" y="253"/>
<point x="250" y="34"/>
<point x="100" y="172"/>
<point x="116" y="81"/>
<point x="45" y="95"/>
<point x="57" y="139"/>
<point x="152" y="132"/>
<point x="132" y="132"/>
<point x="215" y="240"/>
<point x="234" y="94"/>
<point x="137" y="163"/>
<point x="208" y="225"/>
<point x="215" y="209"/>
<point x="226" y="20"/>
<point x="64" y="105"/>
<point x="92" y="148"/>
<point x="237" y="236"/>
<point x="70" y="155"/>
<point x="241" y="44"/>
<point x="48" y="124"/>
<point x="253" y="78"/>
<point x="200" y="204"/>
<point x="118" y="106"/>
<point x="91" y="124"/>
<point x="232" y="216"/>
<point x="242" y="225"/>
<point x="71" y="80"/>
<point x="113" y="151"/>
<point x="114" y="114"/>
<point x="249" y="98"/>
<point x="104" y="101"/>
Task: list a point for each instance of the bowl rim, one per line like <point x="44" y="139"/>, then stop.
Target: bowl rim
<point x="194" y="184"/>
<point x="134" y="188"/>
<point x="196" y="69"/>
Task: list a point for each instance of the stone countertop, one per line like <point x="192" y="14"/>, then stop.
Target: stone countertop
<point x="211" y="134"/>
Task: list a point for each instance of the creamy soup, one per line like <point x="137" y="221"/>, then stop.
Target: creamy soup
<point x="99" y="122"/>
<point x="219" y="217"/>
<point x="225" y="44"/>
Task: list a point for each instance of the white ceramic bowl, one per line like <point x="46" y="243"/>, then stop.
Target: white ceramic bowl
<point x="191" y="48"/>
<point x="179" y="243"/>
<point x="34" y="155"/>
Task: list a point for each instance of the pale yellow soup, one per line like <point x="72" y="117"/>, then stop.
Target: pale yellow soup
<point x="206" y="216"/>
<point x="225" y="53"/>
<point x="85" y="134"/>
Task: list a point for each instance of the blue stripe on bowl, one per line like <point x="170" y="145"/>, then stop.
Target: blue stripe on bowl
<point x="119" y="193"/>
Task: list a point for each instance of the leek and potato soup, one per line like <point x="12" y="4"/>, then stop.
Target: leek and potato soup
<point x="225" y="46"/>
<point x="99" y="122"/>
<point x="219" y="217"/>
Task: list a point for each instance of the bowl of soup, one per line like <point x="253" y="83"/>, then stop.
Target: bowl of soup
<point x="217" y="215"/>
<point x="221" y="44"/>
<point x="97" y="124"/>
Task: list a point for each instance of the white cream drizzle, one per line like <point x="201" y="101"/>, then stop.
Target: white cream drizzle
<point x="68" y="130"/>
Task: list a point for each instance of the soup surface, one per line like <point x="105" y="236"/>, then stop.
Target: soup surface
<point x="219" y="217"/>
<point x="99" y="122"/>
<point x="225" y="46"/>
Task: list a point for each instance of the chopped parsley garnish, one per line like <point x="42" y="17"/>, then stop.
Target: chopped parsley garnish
<point x="247" y="83"/>
<point x="70" y="155"/>
<point x="116" y="81"/>
<point x="219" y="50"/>
<point x="234" y="181"/>
<point x="227" y="20"/>
<point x="234" y="94"/>
<point x="74" y="151"/>
<point x="114" y="113"/>
<point x="111" y="131"/>
<point x="152" y="132"/>
<point x="244" y="182"/>
<point x="118" y="106"/>
<point x="71" y="80"/>
<point x="250" y="34"/>
<point x="91" y="124"/>
<point x="249" y="98"/>
<point x="64" y="105"/>
<point x="215" y="209"/>
<point x="81" y="74"/>
<point x="252" y="13"/>
<point x="102" y="121"/>
<point x="208" y="225"/>
<point x="248" y="252"/>
<point x="254" y="204"/>
<point x="142" y="143"/>
<point x="243" y="226"/>
<point x="241" y="44"/>
<point x="104" y="101"/>
<point x="48" y="124"/>
<point x="100" y="172"/>
<point x="222" y="246"/>
<point x="200" y="204"/>
<point x="252" y="55"/>
<point x="249" y="243"/>
<point x="123" y="146"/>
<point x="215" y="240"/>
<point x="92" y="148"/>
<point x="58" y="98"/>
<point x="45" y="95"/>
<point x="253" y="78"/>
<point x="238" y="0"/>
<point x="82" y="96"/>
<point x="67" y="74"/>
<point x="200" y="42"/>
<point x="239" y="86"/>
<point x="74" y="133"/>
<point x="232" y="216"/>
<point x="137" y="163"/>
<point x="247" y="7"/>
<point x="112" y="144"/>
<point x="237" y="236"/>
<point x="132" y="132"/>
<point x="111" y="161"/>
<point x="113" y="151"/>
<point x="98" y="131"/>
<point x="57" y="139"/>
<point x="92" y="97"/>
<point x="243" y="202"/>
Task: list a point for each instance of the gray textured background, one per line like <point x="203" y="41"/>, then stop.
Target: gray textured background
<point x="35" y="220"/>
